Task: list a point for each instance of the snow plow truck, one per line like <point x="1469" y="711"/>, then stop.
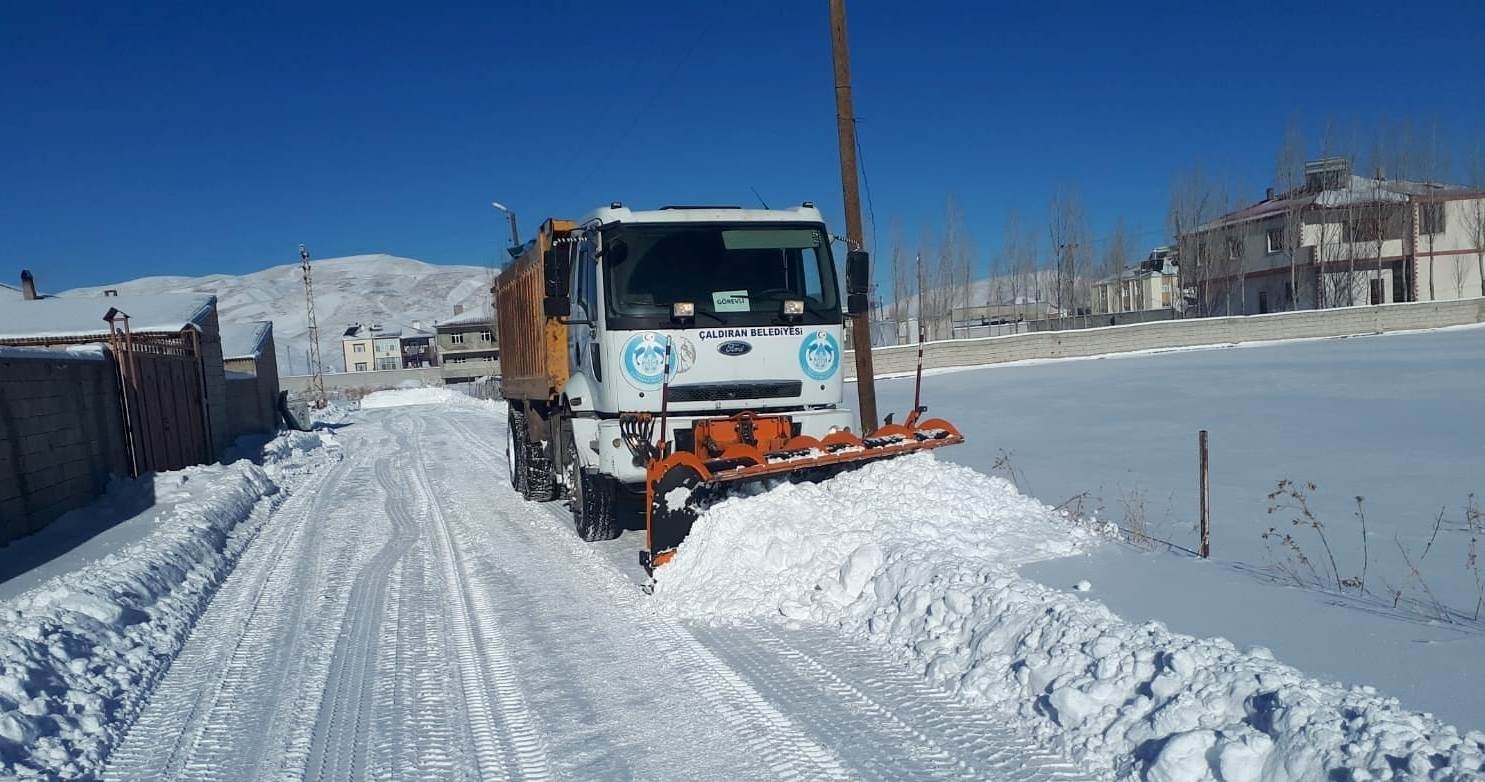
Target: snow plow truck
<point x="677" y="354"/>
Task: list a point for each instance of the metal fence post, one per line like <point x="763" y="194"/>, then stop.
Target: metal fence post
<point x="1205" y="549"/>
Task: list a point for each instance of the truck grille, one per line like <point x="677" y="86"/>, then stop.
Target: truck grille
<point x="723" y="392"/>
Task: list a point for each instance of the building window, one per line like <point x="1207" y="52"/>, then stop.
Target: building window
<point x="486" y="336"/>
<point x="1276" y="240"/>
<point x="1376" y="292"/>
<point x="360" y="366"/>
<point x="457" y="339"/>
<point x="386" y="363"/>
<point x="360" y="347"/>
<point x="1234" y="249"/>
<point x="1431" y="218"/>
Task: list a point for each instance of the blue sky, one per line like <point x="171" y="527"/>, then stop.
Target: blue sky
<point x="181" y="139"/>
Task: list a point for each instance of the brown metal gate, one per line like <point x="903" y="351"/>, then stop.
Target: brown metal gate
<point x="163" y="400"/>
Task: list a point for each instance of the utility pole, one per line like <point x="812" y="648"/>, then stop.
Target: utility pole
<point x="312" y="358"/>
<point x="845" y="122"/>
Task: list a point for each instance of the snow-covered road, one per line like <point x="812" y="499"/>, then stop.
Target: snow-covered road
<point x="405" y="615"/>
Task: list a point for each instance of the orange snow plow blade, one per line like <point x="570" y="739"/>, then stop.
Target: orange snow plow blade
<point x="726" y="452"/>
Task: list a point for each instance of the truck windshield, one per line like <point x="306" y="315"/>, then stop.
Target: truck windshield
<point x="735" y="274"/>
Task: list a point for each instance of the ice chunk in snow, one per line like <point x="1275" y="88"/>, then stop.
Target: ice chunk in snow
<point x="1083" y="586"/>
<point x="1183" y="758"/>
<point x="859" y="569"/>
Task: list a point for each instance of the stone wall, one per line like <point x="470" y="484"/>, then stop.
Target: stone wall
<point x="1339" y="322"/>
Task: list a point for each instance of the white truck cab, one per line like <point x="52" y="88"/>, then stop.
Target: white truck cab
<point x="744" y="303"/>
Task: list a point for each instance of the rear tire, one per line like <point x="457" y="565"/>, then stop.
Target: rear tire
<point x="515" y="449"/>
<point x="530" y="469"/>
<point x="593" y="501"/>
<point x="541" y="485"/>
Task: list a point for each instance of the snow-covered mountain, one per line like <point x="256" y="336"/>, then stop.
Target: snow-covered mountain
<point x="359" y="288"/>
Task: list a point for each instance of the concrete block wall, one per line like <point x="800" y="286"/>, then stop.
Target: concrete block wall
<point x="252" y="387"/>
<point x="216" y="383"/>
<point x="268" y="387"/>
<point x="1193" y="332"/>
<point x="245" y="411"/>
<point x="61" y="437"/>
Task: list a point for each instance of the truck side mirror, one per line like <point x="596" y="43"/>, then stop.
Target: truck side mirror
<point x="556" y="306"/>
<point x="858" y="281"/>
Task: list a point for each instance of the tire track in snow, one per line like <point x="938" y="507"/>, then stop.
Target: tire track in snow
<point x="199" y="699"/>
<point x="833" y="709"/>
<point x="772" y="737"/>
<point x="507" y="744"/>
<point x="897" y="726"/>
<point x="340" y="747"/>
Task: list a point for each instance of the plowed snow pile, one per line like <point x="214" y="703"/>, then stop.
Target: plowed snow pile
<point x="920" y="556"/>
<point x="80" y="653"/>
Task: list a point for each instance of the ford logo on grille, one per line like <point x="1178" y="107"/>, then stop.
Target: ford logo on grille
<point x="734" y="348"/>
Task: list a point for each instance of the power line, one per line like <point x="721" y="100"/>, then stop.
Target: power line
<point x="871" y="210"/>
<point x="644" y="107"/>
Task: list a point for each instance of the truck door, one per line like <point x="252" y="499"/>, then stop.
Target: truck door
<point x="581" y="345"/>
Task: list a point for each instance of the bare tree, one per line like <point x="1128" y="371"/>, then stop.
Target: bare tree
<point x="1288" y="181"/>
<point x="902" y="280"/>
<point x="959" y="255"/>
<point x="1430" y="163"/>
<point x="1067" y="230"/>
<point x="1474" y="216"/>
<point x="1192" y="206"/>
<point x="1020" y="249"/>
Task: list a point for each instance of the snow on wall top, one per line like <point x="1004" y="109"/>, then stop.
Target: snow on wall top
<point x="82" y="316"/>
<point x="92" y="352"/>
<point x="467" y="318"/>
<point x="245" y="340"/>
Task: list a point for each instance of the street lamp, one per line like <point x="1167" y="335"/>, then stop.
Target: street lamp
<point x="515" y="239"/>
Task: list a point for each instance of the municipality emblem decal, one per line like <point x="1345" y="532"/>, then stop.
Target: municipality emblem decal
<point x="644" y="358"/>
<point x="819" y="355"/>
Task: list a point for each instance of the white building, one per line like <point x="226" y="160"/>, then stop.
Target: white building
<point x="1152" y="285"/>
<point x="370" y="347"/>
<point x="1336" y="241"/>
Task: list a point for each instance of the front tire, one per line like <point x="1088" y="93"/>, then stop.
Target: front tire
<point x="594" y="500"/>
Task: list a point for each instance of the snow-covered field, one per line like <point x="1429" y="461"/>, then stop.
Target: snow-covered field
<point x="1395" y="419"/>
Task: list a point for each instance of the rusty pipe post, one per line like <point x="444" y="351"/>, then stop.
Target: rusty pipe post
<point x="1205" y="488"/>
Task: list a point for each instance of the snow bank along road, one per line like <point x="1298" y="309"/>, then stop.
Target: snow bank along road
<point x="405" y="615"/>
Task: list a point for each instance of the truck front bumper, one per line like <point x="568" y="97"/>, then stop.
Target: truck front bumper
<point x="608" y="453"/>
